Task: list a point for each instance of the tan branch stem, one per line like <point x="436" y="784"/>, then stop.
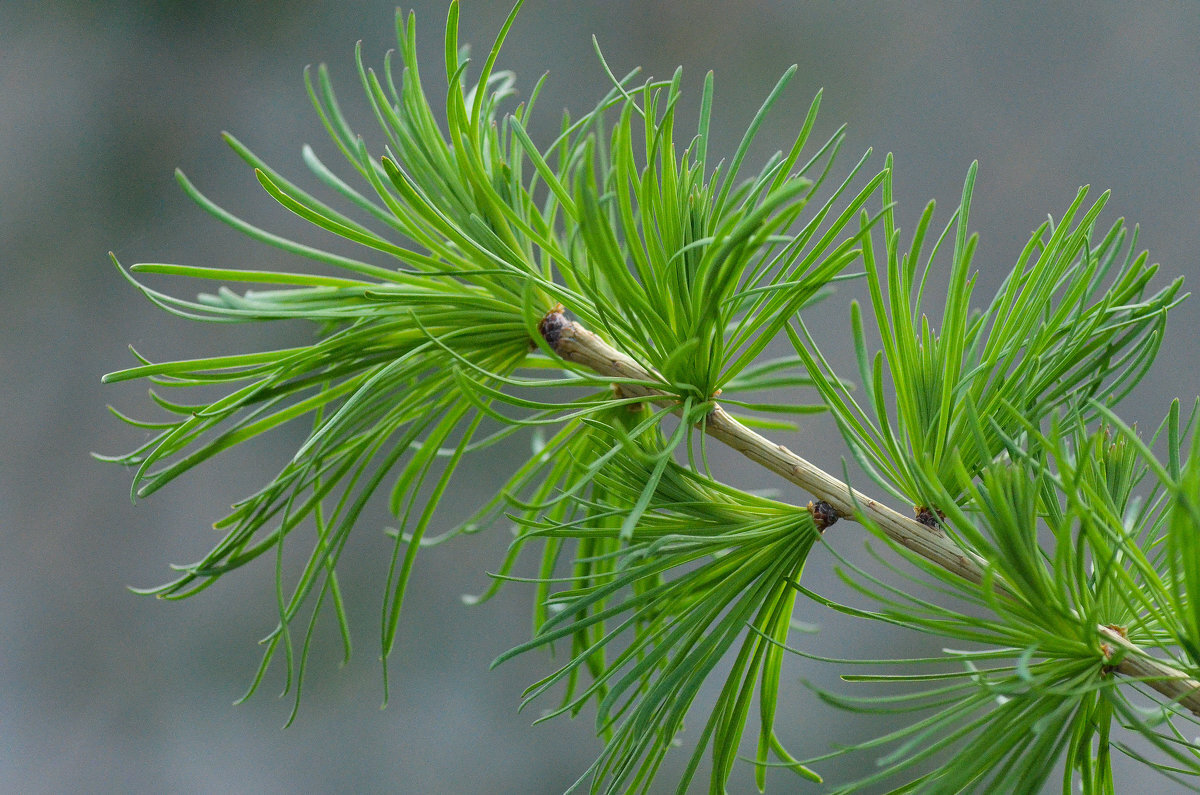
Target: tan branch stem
<point x="576" y="344"/>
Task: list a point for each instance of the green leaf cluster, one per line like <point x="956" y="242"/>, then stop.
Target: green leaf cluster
<point x="650" y="616"/>
<point x="1038" y="689"/>
<point x="483" y="232"/>
<point x="1070" y="323"/>
<point x="996" y="422"/>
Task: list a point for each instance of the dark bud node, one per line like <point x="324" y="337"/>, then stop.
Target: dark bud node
<point x="552" y="325"/>
<point x="823" y="514"/>
<point x="929" y="518"/>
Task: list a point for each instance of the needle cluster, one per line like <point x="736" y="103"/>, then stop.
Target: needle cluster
<point x="611" y="295"/>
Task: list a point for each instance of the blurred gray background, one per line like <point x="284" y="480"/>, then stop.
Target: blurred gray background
<point x="101" y="690"/>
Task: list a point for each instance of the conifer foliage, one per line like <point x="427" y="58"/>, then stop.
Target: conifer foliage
<point x="610" y="295"/>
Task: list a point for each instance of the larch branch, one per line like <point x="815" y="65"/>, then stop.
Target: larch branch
<point x="578" y="345"/>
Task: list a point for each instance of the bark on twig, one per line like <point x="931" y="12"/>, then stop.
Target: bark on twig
<point x="576" y="344"/>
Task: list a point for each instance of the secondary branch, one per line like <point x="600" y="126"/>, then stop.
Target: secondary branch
<point x="576" y="344"/>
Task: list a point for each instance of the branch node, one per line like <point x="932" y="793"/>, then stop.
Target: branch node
<point x="1109" y="653"/>
<point x="1107" y="669"/>
<point x="930" y="518"/>
<point x="552" y="325"/>
<point x="823" y="514"/>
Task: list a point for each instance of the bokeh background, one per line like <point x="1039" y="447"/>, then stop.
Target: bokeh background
<point x="101" y="690"/>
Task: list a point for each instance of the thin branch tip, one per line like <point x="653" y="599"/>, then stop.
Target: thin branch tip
<point x="552" y="325"/>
